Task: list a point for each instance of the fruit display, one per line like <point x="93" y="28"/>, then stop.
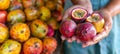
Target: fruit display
<point x="81" y="24"/>
<point x="26" y="26"/>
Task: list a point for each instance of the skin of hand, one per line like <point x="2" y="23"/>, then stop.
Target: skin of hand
<point x="85" y="4"/>
<point x="107" y="12"/>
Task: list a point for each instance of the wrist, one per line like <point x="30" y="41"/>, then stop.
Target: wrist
<point x="105" y="12"/>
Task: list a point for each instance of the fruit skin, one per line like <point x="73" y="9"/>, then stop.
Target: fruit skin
<point x="10" y="47"/>
<point x="39" y="3"/>
<point x="3" y="16"/>
<point x="33" y="46"/>
<point x="31" y="13"/>
<point x="38" y="28"/>
<point x="53" y="23"/>
<point x="85" y="32"/>
<point x="45" y="13"/>
<point x="20" y="32"/>
<point x="77" y="16"/>
<point x="4" y="4"/>
<point x="50" y="31"/>
<point x="28" y="3"/>
<point x="4" y="33"/>
<point x="99" y="23"/>
<point x="15" y="16"/>
<point x="57" y="15"/>
<point x="15" y="4"/>
<point x="50" y="5"/>
<point x="49" y="45"/>
<point x="67" y="28"/>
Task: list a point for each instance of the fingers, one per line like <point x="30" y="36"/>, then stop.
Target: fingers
<point x="68" y="39"/>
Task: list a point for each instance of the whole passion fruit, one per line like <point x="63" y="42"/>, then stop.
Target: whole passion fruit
<point x="49" y="45"/>
<point x="85" y="31"/>
<point x="79" y="14"/>
<point x="33" y="46"/>
<point x="67" y="28"/>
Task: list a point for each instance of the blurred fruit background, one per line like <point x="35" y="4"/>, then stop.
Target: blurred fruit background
<point x="30" y="26"/>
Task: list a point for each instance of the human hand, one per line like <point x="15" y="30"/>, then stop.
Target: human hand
<point x="107" y="27"/>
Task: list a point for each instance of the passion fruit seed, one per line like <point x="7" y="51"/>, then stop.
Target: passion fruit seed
<point x="79" y="13"/>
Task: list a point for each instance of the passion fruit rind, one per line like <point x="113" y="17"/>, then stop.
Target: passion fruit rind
<point x="81" y="14"/>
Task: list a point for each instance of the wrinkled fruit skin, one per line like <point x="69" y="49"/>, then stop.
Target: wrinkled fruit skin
<point x="4" y="33"/>
<point x="28" y="3"/>
<point x="79" y="14"/>
<point x="49" y="45"/>
<point x="15" y="16"/>
<point x="50" y="31"/>
<point x="39" y="28"/>
<point x="67" y="28"/>
<point x="4" y="4"/>
<point x="31" y="13"/>
<point x="3" y="16"/>
<point x="15" y="4"/>
<point x="45" y="13"/>
<point x="33" y="46"/>
<point x="85" y="32"/>
<point x="10" y="47"/>
<point x="20" y="32"/>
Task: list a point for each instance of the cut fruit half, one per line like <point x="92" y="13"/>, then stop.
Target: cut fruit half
<point x="79" y="13"/>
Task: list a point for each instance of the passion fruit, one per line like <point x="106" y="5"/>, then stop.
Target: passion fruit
<point x="49" y="45"/>
<point x="85" y="32"/>
<point x="33" y="46"/>
<point x="79" y="14"/>
<point x="97" y="20"/>
<point x="4" y="33"/>
<point x="10" y="47"/>
<point x="39" y="28"/>
<point x="67" y="28"/>
<point x="20" y="32"/>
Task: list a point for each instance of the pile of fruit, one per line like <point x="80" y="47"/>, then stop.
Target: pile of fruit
<point x="27" y="26"/>
<point x="82" y="25"/>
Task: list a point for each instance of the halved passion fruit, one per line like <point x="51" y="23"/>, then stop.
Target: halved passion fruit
<point x="79" y="14"/>
<point x="97" y="20"/>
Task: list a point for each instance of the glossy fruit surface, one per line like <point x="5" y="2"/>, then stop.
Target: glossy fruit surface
<point x="4" y="33"/>
<point x="28" y="3"/>
<point x="3" y="16"/>
<point x="33" y="46"/>
<point x="85" y="32"/>
<point x="39" y="28"/>
<point x="4" y="4"/>
<point x="67" y="28"/>
<point x="15" y="4"/>
<point x="15" y="16"/>
<point x="49" y="45"/>
<point x="45" y="13"/>
<point x="20" y="32"/>
<point x="10" y="47"/>
<point x="31" y="13"/>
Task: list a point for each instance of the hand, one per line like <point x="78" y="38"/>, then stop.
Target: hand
<point x="68" y="13"/>
<point x="107" y="27"/>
